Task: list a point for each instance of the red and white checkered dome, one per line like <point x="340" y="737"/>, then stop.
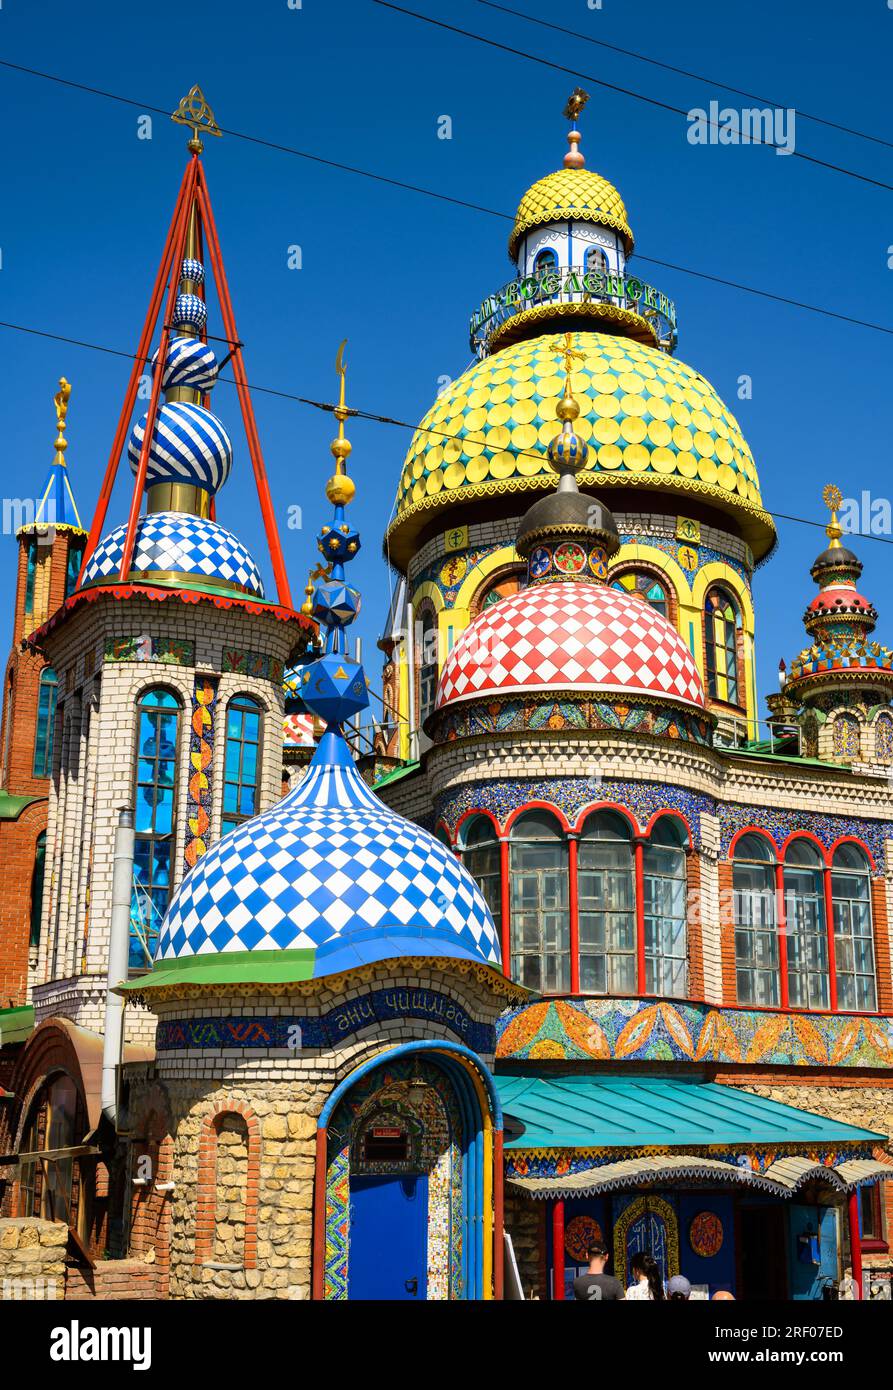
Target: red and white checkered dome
<point x="570" y="636"/>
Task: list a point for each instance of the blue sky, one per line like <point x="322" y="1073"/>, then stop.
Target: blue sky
<point x="86" y="204"/>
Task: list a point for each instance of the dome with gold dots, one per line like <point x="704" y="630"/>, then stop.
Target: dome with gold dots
<point x="650" y="421"/>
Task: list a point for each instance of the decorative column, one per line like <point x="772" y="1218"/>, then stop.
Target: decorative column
<point x="558" y="1249"/>
<point x="574" y="908"/>
<point x="829" y="928"/>
<point x="855" y="1240"/>
<point x="505" y="906"/>
<point x="639" y="856"/>
<point x="782" y="930"/>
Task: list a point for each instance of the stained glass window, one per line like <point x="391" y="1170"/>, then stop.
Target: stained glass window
<point x="646" y="586"/>
<point x="853" y="936"/>
<point x="607" y="906"/>
<point x="540" y="947"/>
<point x="756" y="934"/>
<point x="241" y="769"/>
<point x="158" y="716"/>
<point x="46" y="722"/>
<point x="883" y="738"/>
<point x="721" y="623"/>
<point x="502" y="588"/>
<point x="30" y="573"/>
<point x="846" y="736"/>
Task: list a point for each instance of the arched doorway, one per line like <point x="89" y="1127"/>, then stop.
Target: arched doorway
<point x="407" y="1151"/>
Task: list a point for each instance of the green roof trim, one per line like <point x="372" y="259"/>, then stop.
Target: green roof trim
<point x="587" y="1112"/>
<point x="236" y="967"/>
<point x="11" y="807"/>
<point x="396" y="775"/>
<point x="16" y="1025"/>
<point x="747" y="752"/>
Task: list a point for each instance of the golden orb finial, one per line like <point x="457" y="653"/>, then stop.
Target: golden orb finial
<point x="832" y="498"/>
<point x="577" y="100"/>
<point x="60" y="400"/>
<point x="340" y="489"/>
<point x="307" y="605"/>
<point x="194" y="111"/>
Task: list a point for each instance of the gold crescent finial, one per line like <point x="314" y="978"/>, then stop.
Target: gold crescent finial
<point x="832" y="498"/>
<point x="60" y="400"/>
<point x="340" y="489"/>
<point x="194" y="111"/>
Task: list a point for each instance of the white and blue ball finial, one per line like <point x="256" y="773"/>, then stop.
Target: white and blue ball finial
<point x="189" y="445"/>
<point x="193" y="270"/>
<point x="190" y="313"/>
<point x="189" y="363"/>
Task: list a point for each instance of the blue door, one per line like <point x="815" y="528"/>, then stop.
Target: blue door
<point x="388" y="1250"/>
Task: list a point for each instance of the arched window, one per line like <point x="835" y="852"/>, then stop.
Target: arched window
<point x="499" y="588"/>
<point x="883" y="738"/>
<point x="596" y="260"/>
<point x="664" y="891"/>
<point x="540" y="941"/>
<point x="73" y="566"/>
<point x="46" y="720"/>
<point x="55" y="1121"/>
<point x="241" y="767"/>
<point x="647" y="586"/>
<point x="37" y="873"/>
<point x="30" y="574"/>
<point x="545" y="262"/>
<point x="607" y="908"/>
<point x="807" y="935"/>
<point x="426" y="636"/>
<point x="756" y="935"/>
<point x="158" y="725"/>
<point x="721" y="622"/>
<point x="846" y="736"/>
<point x="853" y="936"/>
<point x="480" y="855"/>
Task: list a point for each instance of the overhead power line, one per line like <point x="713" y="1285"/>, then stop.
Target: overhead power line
<point x="374" y="417"/>
<point x="624" y="91"/>
<point x="577" y="35"/>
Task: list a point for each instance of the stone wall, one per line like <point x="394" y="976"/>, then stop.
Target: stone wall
<point x="32" y="1258"/>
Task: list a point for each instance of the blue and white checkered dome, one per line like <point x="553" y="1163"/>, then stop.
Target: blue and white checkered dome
<point x="332" y="872"/>
<point x="193" y="270"/>
<point x="190" y="312"/>
<point x="189" y="445"/>
<point x="174" y="542"/>
<point x="189" y="362"/>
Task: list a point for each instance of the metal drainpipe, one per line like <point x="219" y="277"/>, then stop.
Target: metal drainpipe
<point x="119" y="949"/>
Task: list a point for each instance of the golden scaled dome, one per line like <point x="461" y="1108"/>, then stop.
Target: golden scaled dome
<point x="650" y="422"/>
<point x="571" y="194"/>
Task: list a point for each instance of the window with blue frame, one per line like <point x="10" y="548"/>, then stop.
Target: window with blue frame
<point x="46" y="721"/>
<point x="73" y="568"/>
<point x="30" y="573"/>
<point x="241" y="768"/>
<point x="158" y="727"/>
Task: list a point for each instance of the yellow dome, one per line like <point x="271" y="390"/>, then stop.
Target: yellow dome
<point x="649" y="421"/>
<point x="579" y="194"/>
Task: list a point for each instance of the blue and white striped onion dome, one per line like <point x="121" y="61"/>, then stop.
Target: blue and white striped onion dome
<point x="189" y="445"/>
<point x="190" y="311"/>
<point x="192" y="270"/>
<point x="176" y="542"/>
<point x="334" y="873"/>
<point x="189" y="362"/>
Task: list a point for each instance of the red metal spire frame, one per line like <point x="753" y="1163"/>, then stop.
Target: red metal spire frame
<point x="193" y="193"/>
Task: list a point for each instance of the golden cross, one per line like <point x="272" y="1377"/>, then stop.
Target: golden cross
<point x="570" y="355"/>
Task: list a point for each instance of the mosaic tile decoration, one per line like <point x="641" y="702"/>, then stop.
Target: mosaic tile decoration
<point x="201" y="753"/>
<point x="253" y="664"/>
<point x="442" y="1156"/>
<point x="145" y="648"/>
<point x="646" y="1031"/>
<point x="505" y="715"/>
<point x="779" y="824"/>
<point x="329" y="1029"/>
<point x="560" y="1163"/>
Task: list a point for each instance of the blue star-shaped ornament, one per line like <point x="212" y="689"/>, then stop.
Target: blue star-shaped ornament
<point x="335" y="603"/>
<point x="339" y="541"/>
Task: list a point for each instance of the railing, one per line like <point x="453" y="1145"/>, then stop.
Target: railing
<point x="573" y="285"/>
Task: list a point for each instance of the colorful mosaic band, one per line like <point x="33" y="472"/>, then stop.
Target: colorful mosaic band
<point x="327" y="1030"/>
<point x="646" y="1031"/>
<point x="265" y="668"/>
<point x="150" y="649"/>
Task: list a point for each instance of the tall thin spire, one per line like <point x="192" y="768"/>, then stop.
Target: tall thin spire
<point x="577" y="100"/>
<point x="56" y="506"/>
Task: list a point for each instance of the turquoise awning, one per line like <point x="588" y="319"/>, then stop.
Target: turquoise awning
<point x="586" y="1112"/>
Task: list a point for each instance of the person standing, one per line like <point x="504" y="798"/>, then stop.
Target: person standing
<point x="597" y="1286"/>
<point x="648" y="1285"/>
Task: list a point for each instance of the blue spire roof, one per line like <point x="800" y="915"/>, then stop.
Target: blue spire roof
<point x="56" y="505"/>
<point x="333" y="872"/>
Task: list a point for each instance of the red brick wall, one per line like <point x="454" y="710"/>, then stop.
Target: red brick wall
<point x="18" y="843"/>
<point x="882" y="944"/>
<point x="207" y="1185"/>
<point x="113" y="1279"/>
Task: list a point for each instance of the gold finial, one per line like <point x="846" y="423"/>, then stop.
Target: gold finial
<point x="832" y="498"/>
<point x="577" y="100"/>
<point x="60" y="400"/>
<point x="307" y="605"/>
<point x="194" y="111"/>
<point x="340" y="489"/>
<point x="567" y="408"/>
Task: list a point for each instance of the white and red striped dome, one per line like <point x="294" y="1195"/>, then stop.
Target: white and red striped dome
<point x="570" y="636"/>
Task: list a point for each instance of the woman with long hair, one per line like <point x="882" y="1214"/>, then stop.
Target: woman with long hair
<point x="648" y="1284"/>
